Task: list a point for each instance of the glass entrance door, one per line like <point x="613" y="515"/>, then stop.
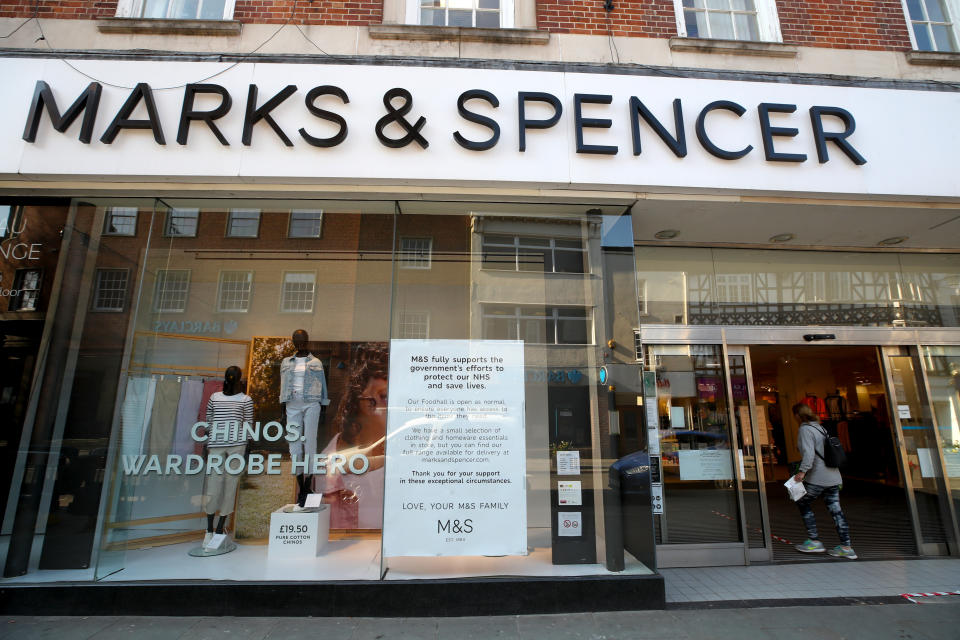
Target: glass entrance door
<point x="755" y="450"/>
<point x="701" y="523"/>
<point x="922" y="450"/>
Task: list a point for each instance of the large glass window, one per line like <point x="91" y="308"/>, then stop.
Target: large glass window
<point x="187" y="9"/>
<point x="25" y="295"/>
<point x="703" y="286"/>
<point x="460" y="13"/>
<point x="505" y="393"/>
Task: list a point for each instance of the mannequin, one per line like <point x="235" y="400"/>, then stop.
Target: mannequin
<point x="227" y="410"/>
<point x="303" y="397"/>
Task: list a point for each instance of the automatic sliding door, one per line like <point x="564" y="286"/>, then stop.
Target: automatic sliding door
<point x="921" y="451"/>
<point x="700" y="523"/>
<point x="752" y="441"/>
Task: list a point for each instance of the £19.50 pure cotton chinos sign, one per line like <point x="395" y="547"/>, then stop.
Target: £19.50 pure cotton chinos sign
<point x="456" y="467"/>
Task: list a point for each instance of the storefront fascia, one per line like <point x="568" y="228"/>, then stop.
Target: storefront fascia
<point x="545" y="139"/>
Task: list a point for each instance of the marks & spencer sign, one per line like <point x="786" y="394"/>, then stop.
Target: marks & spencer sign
<point x="355" y="124"/>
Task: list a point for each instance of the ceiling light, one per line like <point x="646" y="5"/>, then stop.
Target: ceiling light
<point x="782" y="237"/>
<point x="893" y="240"/>
<point x="666" y="234"/>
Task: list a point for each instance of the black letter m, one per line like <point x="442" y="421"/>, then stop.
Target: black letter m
<point x="88" y="102"/>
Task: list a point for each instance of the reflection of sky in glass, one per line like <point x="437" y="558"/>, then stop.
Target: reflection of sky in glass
<point x="4" y="220"/>
<point x="617" y="231"/>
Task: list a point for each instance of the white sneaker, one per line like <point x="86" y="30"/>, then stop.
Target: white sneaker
<point x="206" y="538"/>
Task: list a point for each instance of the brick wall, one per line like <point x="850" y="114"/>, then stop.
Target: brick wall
<point x="641" y="18"/>
<point x="844" y="24"/>
<point x="85" y="9"/>
<point x="331" y="12"/>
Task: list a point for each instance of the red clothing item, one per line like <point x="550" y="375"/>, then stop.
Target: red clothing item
<point x="817" y="404"/>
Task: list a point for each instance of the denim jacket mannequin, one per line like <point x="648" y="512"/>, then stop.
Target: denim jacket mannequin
<point x="314" y="381"/>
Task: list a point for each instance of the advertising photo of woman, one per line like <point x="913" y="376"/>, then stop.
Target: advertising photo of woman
<point x="356" y="500"/>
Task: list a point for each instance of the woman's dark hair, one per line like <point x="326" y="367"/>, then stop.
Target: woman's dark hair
<point x="368" y="361"/>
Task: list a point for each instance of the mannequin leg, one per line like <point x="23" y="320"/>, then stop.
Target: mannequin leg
<point x="311" y="417"/>
<point x="210" y="522"/>
<point x="220" y="523"/>
<point x="305" y="490"/>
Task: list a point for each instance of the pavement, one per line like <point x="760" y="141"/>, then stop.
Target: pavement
<point x="936" y="620"/>
<point x="835" y="600"/>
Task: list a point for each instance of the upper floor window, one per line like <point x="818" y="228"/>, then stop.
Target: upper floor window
<point x="305" y="223"/>
<point x="415" y="253"/>
<point x="176" y="9"/>
<point x="182" y="223"/>
<point x="933" y="24"/>
<point x="538" y="325"/>
<point x="26" y="290"/>
<point x="243" y="223"/>
<point x="171" y="290"/>
<point x="541" y="255"/>
<point x="490" y="14"/>
<point x="414" y="325"/>
<point x="728" y="19"/>
<point x="110" y="292"/>
<point x="297" y="294"/>
<point x="120" y="221"/>
<point x="235" y="291"/>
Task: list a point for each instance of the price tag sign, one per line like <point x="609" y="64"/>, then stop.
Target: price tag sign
<point x="569" y="524"/>
<point x="299" y="534"/>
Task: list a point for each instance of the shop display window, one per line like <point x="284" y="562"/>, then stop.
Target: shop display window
<point x="326" y="406"/>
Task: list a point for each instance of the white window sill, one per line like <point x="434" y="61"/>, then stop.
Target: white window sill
<point x="934" y="58"/>
<point x="460" y="34"/>
<point x="734" y="47"/>
<point x="175" y="27"/>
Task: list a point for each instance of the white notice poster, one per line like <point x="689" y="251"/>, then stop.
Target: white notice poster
<point x="705" y="464"/>
<point x="569" y="493"/>
<point x="568" y="463"/>
<point x="456" y="458"/>
<point x="569" y="524"/>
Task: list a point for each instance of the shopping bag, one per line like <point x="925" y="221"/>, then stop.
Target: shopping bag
<point x="795" y="489"/>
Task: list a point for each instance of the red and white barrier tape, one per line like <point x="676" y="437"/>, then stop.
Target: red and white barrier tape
<point x="911" y="596"/>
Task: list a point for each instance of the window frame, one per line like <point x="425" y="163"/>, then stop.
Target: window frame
<point x="108" y="216"/>
<point x="953" y="10"/>
<point x="283" y="291"/>
<point x="15" y="303"/>
<point x="95" y="299"/>
<point x="220" y="278"/>
<point x="404" y="257"/>
<point x="507" y="9"/>
<point x="168" y="220"/>
<point x="156" y="291"/>
<point x="134" y="9"/>
<point x="319" y="233"/>
<point x="406" y="314"/>
<point x="518" y="244"/>
<point x="229" y="231"/>
<point x="768" y="22"/>
<point x="552" y="313"/>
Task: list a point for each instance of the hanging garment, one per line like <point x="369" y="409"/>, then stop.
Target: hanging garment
<point x="135" y="414"/>
<point x="163" y="417"/>
<point x="191" y="394"/>
<point x="817" y="404"/>
<point x="836" y="407"/>
<point x="209" y="388"/>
